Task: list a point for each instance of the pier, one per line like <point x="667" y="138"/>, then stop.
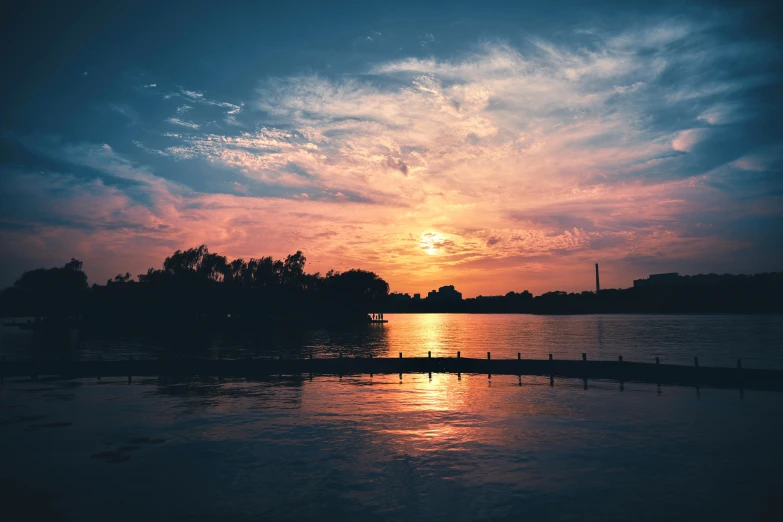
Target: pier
<point x="617" y="370"/>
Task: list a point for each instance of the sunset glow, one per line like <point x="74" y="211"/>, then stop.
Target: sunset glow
<point x="490" y="156"/>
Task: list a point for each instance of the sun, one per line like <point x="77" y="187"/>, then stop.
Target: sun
<point x="431" y="243"/>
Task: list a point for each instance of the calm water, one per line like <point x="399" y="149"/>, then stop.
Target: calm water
<point x="382" y="448"/>
<point x="717" y="340"/>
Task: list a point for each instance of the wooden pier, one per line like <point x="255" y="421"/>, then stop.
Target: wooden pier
<point x="619" y="370"/>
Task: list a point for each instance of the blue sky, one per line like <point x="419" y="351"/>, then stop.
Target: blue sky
<point x="492" y="145"/>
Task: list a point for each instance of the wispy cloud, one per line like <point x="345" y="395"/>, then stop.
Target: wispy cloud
<point x="183" y="123"/>
<point x="125" y="110"/>
<point x="504" y="159"/>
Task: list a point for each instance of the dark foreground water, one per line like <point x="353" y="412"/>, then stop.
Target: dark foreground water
<point x="381" y="448"/>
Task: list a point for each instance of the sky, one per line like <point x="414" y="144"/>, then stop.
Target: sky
<point x="495" y="146"/>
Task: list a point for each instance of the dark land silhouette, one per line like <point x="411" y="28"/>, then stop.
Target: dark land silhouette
<point x="710" y="293"/>
<point x="199" y="289"/>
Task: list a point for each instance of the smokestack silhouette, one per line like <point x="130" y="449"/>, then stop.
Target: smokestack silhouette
<point x="597" y="281"/>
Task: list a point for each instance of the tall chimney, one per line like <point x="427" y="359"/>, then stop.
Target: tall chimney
<point x="597" y="281"/>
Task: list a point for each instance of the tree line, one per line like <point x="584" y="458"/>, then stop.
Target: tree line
<point x="205" y="287"/>
<point x="197" y="284"/>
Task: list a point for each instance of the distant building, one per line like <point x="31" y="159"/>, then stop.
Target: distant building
<point x="416" y="297"/>
<point x="445" y="293"/>
<point x="667" y="279"/>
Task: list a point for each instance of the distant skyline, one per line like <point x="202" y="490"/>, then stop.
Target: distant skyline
<point x="495" y="146"/>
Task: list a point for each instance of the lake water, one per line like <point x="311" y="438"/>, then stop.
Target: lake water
<point x="718" y="340"/>
<point x="415" y="448"/>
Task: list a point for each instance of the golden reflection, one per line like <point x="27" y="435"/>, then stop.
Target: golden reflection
<point x="441" y="413"/>
<point x="423" y="333"/>
<point x="434" y="414"/>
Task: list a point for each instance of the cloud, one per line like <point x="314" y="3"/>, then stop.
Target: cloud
<point x="183" y="123"/>
<point x="426" y="39"/>
<point x="719" y="114"/>
<point x="200" y="98"/>
<point x="686" y="140"/>
<point x="761" y="161"/>
<point x="463" y="143"/>
<point x="126" y="111"/>
<point x="397" y="164"/>
<point x="503" y="159"/>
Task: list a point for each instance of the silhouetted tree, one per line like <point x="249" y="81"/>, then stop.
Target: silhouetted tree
<point x="197" y="286"/>
<point x="359" y="287"/>
<point x="51" y="292"/>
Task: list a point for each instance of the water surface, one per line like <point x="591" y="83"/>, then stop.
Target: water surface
<point x="717" y="340"/>
<point x="418" y="448"/>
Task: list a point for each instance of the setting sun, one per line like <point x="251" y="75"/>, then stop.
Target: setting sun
<point x="431" y="242"/>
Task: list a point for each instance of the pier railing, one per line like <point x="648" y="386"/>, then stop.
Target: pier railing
<point x="618" y="370"/>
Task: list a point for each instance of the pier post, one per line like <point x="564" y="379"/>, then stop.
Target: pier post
<point x="429" y="355"/>
<point x="458" y="355"/>
<point x="621" y="358"/>
<point x="550" y="356"/>
<point x="489" y="374"/>
<point x="519" y="358"/>
<point x="584" y="357"/>
<point x="657" y="360"/>
<point x="696" y="362"/>
<point x="400" y="355"/>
